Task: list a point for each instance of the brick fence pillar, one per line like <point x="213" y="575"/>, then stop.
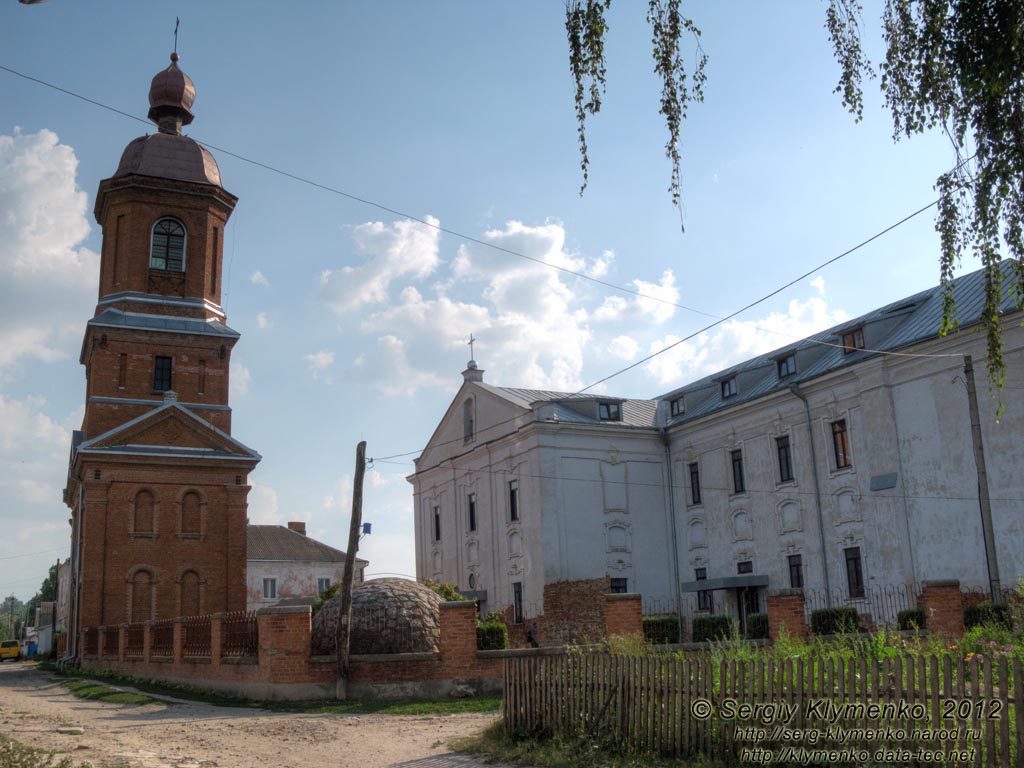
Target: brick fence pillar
<point x="216" y="635"/>
<point x="179" y="639"/>
<point x="786" y="609"/>
<point x="101" y="643"/>
<point x="457" y="642"/>
<point x="623" y="614"/>
<point x="285" y="643"/>
<point x="943" y="606"/>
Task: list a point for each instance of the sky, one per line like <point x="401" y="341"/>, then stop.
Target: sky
<point x="355" y="317"/>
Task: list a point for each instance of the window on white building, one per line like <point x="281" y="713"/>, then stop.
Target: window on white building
<point x="270" y="589"/>
<point x="322" y="586"/>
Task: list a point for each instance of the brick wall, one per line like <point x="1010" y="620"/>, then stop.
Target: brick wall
<point x="574" y="611"/>
<point x="786" y="609"/>
<point x="623" y="615"/>
<point x="285" y="670"/>
<point x="943" y="606"/>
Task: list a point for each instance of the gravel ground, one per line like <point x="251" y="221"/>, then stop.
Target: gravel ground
<point x="35" y="708"/>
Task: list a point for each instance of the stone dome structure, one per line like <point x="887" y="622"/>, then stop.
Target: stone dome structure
<point x="388" y="616"/>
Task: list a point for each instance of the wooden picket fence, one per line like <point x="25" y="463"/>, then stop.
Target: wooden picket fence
<point x="687" y="706"/>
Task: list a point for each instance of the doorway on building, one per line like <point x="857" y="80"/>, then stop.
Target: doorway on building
<point x="748" y="601"/>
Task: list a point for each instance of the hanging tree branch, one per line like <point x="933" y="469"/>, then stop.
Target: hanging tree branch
<point x="586" y="27"/>
<point x="668" y="27"/>
<point x="957" y="65"/>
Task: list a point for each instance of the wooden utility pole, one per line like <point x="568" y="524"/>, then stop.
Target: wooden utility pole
<point x="986" y="508"/>
<point x="344" y="633"/>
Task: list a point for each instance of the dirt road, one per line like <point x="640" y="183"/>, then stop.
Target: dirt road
<point x="34" y="706"/>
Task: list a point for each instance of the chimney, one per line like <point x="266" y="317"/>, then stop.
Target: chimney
<point x="297" y="527"/>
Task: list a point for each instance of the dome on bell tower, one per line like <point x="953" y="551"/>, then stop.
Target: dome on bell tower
<point x="171" y="96"/>
<point x="167" y="154"/>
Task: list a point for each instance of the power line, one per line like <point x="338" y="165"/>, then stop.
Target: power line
<point x="371" y="203"/>
<point x="705" y="488"/>
<point x="728" y="317"/>
<point x="499" y="248"/>
<point x="484" y="243"/>
<point x="30" y="554"/>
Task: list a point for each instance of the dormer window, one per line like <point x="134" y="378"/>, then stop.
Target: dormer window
<point x="786" y="366"/>
<point x="729" y="388"/>
<point x="167" y="250"/>
<point x="610" y="411"/>
<point x="853" y="340"/>
<point x="677" y="407"/>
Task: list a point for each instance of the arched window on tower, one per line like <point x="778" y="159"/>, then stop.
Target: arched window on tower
<point x="191" y="514"/>
<point x="167" y="250"/>
<point x="143" y="517"/>
<point x="191" y="604"/>
<point x="140" y="596"/>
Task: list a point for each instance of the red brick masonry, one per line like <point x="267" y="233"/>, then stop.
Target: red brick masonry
<point x="285" y="670"/>
<point x="943" y="606"/>
<point x="786" y="609"/>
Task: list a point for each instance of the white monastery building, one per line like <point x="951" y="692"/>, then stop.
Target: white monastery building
<point x="842" y="463"/>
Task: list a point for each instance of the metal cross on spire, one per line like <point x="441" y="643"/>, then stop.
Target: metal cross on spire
<point x="177" y="21"/>
<point x="471" y="341"/>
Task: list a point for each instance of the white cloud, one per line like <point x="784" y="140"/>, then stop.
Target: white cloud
<point x="623" y="347"/>
<point x="319" y="361"/>
<point x="612" y="309"/>
<point x="264" y="506"/>
<point x="738" y="340"/>
<point x="819" y="285"/>
<point x="405" y="249"/>
<point x="257" y="278"/>
<point x="389" y="370"/>
<point x="49" y="283"/>
<point x="665" y="290"/>
<point x="601" y="265"/>
<point x="262" y="321"/>
<point x="240" y="379"/>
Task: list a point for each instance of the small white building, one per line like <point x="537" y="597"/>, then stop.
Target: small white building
<point x="842" y="463"/>
<point x="283" y="562"/>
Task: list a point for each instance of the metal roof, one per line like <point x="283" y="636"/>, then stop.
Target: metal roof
<point x="115" y="318"/>
<point x="895" y="326"/>
<point x="635" y="413"/>
<point x="277" y="542"/>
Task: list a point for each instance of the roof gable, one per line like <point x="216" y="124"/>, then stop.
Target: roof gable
<point x="169" y="429"/>
<point x="494" y="415"/>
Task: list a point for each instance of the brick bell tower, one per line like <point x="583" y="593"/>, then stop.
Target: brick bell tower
<point x="157" y="485"/>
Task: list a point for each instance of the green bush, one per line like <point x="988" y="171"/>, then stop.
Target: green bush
<point x="757" y="626"/>
<point x="491" y="634"/>
<point x="912" y="618"/>
<point x="448" y="592"/>
<point x="662" y="628"/>
<point x="835" y="621"/>
<point x="987" y="614"/>
<point x="332" y="591"/>
<point x="716" y="627"/>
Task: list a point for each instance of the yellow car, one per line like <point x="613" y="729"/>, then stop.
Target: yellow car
<point x="10" y="649"/>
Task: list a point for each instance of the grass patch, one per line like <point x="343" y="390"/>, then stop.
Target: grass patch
<point x="90" y="689"/>
<point x="439" y="707"/>
<point x="88" y="677"/>
<point x="494" y="745"/>
<point x="14" y="754"/>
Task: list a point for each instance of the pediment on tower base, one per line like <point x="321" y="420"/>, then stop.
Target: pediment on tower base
<point x="170" y="430"/>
